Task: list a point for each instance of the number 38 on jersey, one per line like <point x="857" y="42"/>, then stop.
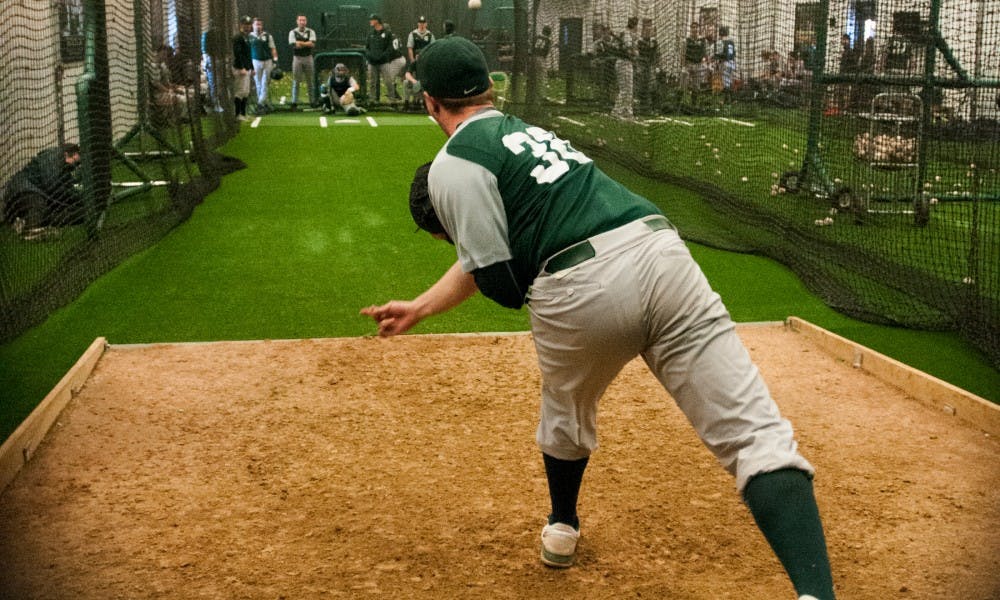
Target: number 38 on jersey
<point x="553" y="153"/>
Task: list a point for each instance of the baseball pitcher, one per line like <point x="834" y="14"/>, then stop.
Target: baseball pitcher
<point x="606" y="278"/>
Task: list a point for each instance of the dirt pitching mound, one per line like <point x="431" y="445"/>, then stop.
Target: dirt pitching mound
<point x="407" y="468"/>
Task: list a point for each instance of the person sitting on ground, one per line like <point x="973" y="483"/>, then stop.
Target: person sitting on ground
<point x="169" y="98"/>
<point x="341" y="89"/>
<point x="42" y="195"/>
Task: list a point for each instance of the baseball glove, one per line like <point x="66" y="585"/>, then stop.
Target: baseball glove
<point x="347" y="98"/>
<point x="277" y="73"/>
<point x="420" y="202"/>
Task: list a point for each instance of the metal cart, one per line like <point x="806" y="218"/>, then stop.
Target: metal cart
<point x="888" y="146"/>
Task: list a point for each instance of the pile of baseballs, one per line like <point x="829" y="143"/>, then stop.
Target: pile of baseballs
<point x="885" y="148"/>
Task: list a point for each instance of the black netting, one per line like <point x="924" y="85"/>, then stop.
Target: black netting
<point x="120" y="84"/>
<point x="855" y="141"/>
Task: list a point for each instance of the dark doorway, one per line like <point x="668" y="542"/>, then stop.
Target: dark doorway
<point x="344" y="27"/>
<point x="570" y="42"/>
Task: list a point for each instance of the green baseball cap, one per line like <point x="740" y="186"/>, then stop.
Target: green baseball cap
<point x="453" y="67"/>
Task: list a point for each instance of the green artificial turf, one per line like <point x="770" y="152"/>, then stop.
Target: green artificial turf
<point x="746" y="160"/>
<point x="317" y="227"/>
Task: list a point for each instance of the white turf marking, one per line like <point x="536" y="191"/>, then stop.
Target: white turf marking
<point x="255" y="123"/>
<point x="371" y="121"/>
<point x="322" y="122"/>
<point x="154" y="153"/>
<point x="743" y="123"/>
<point x="346" y="122"/>
<point x="669" y="120"/>
<point x="569" y="120"/>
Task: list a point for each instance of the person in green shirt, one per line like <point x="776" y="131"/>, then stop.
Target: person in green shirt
<point x="265" y="56"/>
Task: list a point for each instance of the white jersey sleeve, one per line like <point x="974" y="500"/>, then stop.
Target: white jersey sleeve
<point x="468" y="203"/>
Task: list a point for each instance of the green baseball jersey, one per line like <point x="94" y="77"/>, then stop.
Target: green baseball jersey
<point x="505" y="190"/>
<point x="261" y="46"/>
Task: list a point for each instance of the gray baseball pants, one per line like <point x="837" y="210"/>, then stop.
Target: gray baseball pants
<point x="643" y="295"/>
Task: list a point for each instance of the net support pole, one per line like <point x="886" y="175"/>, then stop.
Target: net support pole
<point x="143" y="124"/>
<point x="194" y="106"/>
<point x="93" y="96"/>
<point x="812" y="165"/>
<point x="927" y="90"/>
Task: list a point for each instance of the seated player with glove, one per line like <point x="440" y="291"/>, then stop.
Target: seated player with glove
<point x="340" y="91"/>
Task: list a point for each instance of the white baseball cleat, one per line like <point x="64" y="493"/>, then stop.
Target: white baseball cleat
<point x="559" y="545"/>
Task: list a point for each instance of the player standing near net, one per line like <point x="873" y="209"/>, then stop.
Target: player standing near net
<point x="418" y="39"/>
<point x="265" y="57"/>
<point x="302" y="40"/>
<point x="606" y="278"/>
<point x="386" y="62"/>
<point x="242" y="68"/>
<point x="625" y="55"/>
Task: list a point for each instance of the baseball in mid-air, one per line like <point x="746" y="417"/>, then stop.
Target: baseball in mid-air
<point x="475" y="4"/>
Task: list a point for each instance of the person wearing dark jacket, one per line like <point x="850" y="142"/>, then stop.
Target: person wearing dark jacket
<point x="386" y="62"/>
<point x="242" y="68"/>
<point x="213" y="52"/>
<point x="42" y="195"/>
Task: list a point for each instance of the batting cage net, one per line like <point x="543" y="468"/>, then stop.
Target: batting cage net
<point x="855" y="141"/>
<point x="109" y="121"/>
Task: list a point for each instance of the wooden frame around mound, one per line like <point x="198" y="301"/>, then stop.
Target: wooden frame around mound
<point x="20" y="446"/>
<point x="969" y="408"/>
<point x="975" y="411"/>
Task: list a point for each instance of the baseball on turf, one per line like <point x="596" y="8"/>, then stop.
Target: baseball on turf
<point x="475" y="4"/>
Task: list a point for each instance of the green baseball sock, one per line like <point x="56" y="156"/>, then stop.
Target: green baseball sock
<point x="564" y="477"/>
<point x="783" y="504"/>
